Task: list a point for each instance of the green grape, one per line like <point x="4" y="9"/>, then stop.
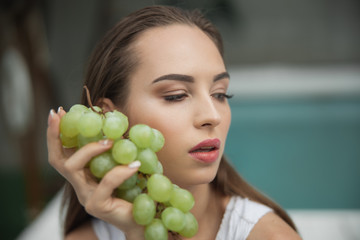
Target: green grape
<point x="173" y="219"/>
<point x="101" y="164"/>
<point x="158" y="141"/>
<point x="82" y="125"/>
<point x="68" y="124"/>
<point x="68" y="142"/>
<point x="142" y="135"/>
<point x="182" y="199"/>
<point x="82" y="141"/>
<point x="79" y="108"/>
<point x="159" y="168"/>
<point x="156" y="230"/>
<point x="148" y="161"/>
<point x="118" y="114"/>
<point x="96" y="109"/>
<point x="159" y="187"/>
<point x="129" y="194"/>
<point x="124" y="151"/>
<point x="90" y="124"/>
<point x="114" y="126"/>
<point x="191" y="226"/>
<point x="128" y="183"/>
<point x="144" y="209"/>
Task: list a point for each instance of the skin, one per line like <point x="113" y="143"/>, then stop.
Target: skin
<point x="198" y="110"/>
<point x="186" y="110"/>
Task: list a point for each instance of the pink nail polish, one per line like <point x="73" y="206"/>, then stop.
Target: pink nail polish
<point x="105" y="142"/>
<point x="135" y="164"/>
<point x="51" y="115"/>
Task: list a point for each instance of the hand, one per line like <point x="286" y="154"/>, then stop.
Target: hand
<point x="96" y="197"/>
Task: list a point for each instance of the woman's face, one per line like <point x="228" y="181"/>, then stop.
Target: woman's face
<point x="179" y="88"/>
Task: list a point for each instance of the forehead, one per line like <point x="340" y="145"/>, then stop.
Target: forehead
<point x="174" y="44"/>
<point x="172" y="32"/>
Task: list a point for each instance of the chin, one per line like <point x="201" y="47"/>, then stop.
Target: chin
<point x="196" y="177"/>
<point x="207" y="178"/>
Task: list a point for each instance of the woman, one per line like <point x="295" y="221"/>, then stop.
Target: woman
<point x="164" y="67"/>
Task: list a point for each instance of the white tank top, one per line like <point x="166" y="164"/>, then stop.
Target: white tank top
<point x="240" y="217"/>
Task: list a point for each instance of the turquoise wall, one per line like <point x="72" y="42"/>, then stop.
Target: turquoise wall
<point x="302" y="153"/>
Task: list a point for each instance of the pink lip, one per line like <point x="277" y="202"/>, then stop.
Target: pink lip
<point x="206" y="156"/>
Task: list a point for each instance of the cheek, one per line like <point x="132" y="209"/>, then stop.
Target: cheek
<point x="142" y="112"/>
<point x="170" y="124"/>
<point x="174" y="132"/>
<point x="225" y="113"/>
<point x="227" y="119"/>
<point x="163" y="118"/>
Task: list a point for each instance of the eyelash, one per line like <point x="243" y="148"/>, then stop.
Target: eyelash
<point x="178" y="97"/>
<point x="222" y="96"/>
<point x="175" y="98"/>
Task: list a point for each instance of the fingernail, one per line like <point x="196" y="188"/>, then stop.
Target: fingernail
<point x="51" y="115"/>
<point x="135" y="164"/>
<point x="59" y="109"/>
<point x="105" y="142"/>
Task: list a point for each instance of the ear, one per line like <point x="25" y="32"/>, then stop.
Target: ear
<point x="107" y="105"/>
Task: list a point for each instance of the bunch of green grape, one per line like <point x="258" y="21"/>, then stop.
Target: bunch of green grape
<point x="158" y="204"/>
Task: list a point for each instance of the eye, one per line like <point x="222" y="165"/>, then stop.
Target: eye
<point x="221" y="96"/>
<point x="175" y="98"/>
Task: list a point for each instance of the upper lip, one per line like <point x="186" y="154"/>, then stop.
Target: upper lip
<point x="208" y="143"/>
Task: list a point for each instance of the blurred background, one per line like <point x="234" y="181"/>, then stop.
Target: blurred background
<point x="295" y="76"/>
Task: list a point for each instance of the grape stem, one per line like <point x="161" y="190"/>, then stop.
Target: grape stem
<point x="160" y="207"/>
<point x="175" y="235"/>
<point x="89" y="100"/>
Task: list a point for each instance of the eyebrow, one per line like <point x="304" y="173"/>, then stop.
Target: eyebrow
<point x="221" y="76"/>
<point x="176" y="77"/>
<point x="187" y="78"/>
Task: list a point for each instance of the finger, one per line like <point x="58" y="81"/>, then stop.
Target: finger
<point x="115" y="211"/>
<point x="61" y="112"/>
<point x="101" y="202"/>
<point x="54" y="144"/>
<point x="80" y="177"/>
<point x="82" y="156"/>
<point x="84" y="184"/>
<point x="69" y="151"/>
<point x="112" y="180"/>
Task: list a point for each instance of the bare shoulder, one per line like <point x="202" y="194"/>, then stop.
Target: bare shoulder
<point x="85" y="232"/>
<point x="272" y="227"/>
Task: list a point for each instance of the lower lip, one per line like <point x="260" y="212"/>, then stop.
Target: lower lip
<point x="206" y="157"/>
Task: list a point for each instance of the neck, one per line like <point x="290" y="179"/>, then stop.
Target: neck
<point x="209" y="209"/>
<point x="204" y="197"/>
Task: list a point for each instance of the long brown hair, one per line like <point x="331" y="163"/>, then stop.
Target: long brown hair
<point x="110" y="66"/>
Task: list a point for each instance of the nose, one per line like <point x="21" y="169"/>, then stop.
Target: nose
<point x="206" y="113"/>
